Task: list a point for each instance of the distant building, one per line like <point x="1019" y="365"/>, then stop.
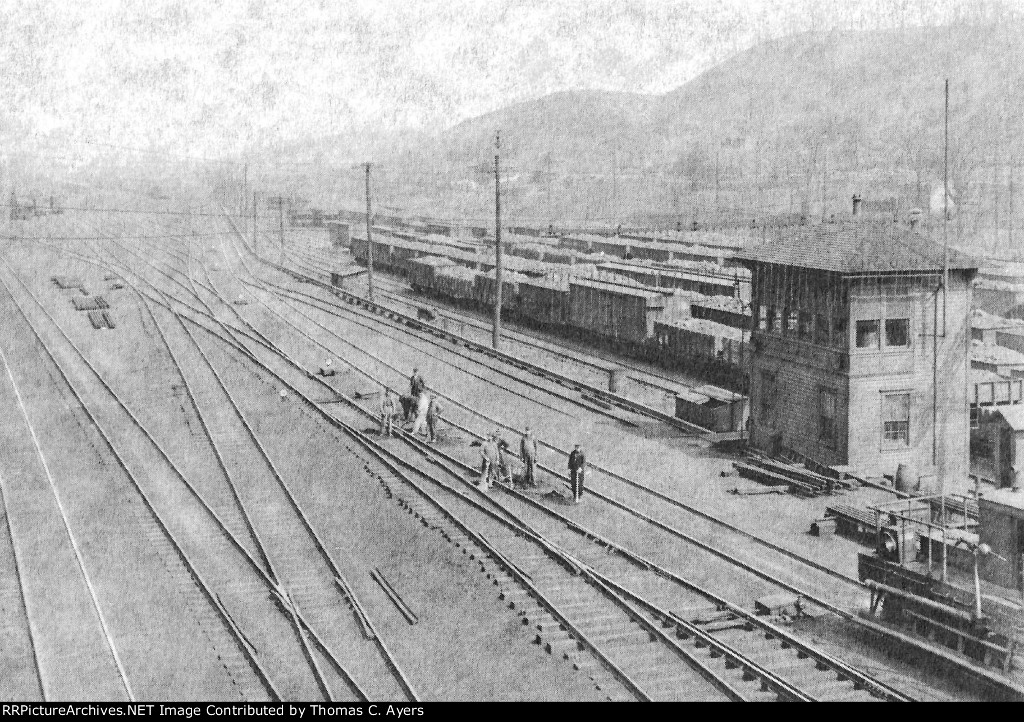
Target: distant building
<point x="844" y="343"/>
<point x="997" y="359"/>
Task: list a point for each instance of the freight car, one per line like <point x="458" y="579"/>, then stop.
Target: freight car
<point x="485" y="287"/>
<point x="455" y="283"/>
<point x="421" y="271"/>
<point x="544" y="302"/>
<point x="582" y="301"/>
<point x="622" y="314"/>
<point x="706" y="348"/>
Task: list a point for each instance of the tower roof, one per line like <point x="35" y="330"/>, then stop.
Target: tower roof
<point x="855" y="248"/>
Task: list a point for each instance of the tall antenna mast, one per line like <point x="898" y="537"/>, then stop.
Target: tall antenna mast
<point x="496" y="335"/>
<point x="945" y="198"/>
<point x="369" y="239"/>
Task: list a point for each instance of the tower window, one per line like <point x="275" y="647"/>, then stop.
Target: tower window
<point x="897" y="332"/>
<point x="867" y="334"/>
<point x="896" y="419"/>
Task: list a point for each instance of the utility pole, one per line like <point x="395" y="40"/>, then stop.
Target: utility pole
<point x="369" y="241"/>
<point x="615" y="186"/>
<point x="496" y="336"/>
<point x="824" y="182"/>
<point x="549" y="189"/>
<point x="280" y="222"/>
<point x="1010" y="203"/>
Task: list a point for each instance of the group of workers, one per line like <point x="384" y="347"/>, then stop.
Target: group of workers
<point x="495" y="464"/>
<point x="427" y="407"/>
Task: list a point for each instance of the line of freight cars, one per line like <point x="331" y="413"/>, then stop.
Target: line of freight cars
<point x="643" y="322"/>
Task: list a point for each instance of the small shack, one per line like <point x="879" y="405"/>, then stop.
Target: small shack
<point x="712" y="408"/>
<point x="999" y="447"/>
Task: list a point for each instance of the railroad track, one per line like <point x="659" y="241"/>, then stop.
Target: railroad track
<point x="634" y="621"/>
<point x="622" y="633"/>
<point x="135" y="673"/>
<point x="508" y="360"/>
<point x="586" y="357"/>
<point x="877" y="630"/>
<point x="268" y="629"/>
<point x="18" y="627"/>
<point x="260" y="508"/>
<point x="624" y="500"/>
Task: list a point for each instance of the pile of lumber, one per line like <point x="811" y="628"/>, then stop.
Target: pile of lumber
<point x="798" y="478"/>
<point x="101" y="319"/>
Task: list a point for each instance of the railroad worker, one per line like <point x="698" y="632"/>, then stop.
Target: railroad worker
<point x="490" y="460"/>
<point x="387" y="413"/>
<point x="434" y="410"/>
<point x="408" y="406"/>
<point x="422" y="405"/>
<point x="528" y="452"/>
<point x="504" y="472"/>
<point x="416" y="384"/>
<point x="577" y="464"/>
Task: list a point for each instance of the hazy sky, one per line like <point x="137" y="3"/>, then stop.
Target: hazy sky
<point x="210" y="77"/>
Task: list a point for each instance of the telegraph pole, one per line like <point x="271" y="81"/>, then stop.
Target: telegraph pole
<point x="369" y="242"/>
<point x="280" y="221"/>
<point x="496" y="336"/>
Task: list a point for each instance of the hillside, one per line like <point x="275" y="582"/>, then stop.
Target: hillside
<point x="774" y="129"/>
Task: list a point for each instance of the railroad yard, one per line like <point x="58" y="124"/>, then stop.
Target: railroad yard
<point x="198" y="502"/>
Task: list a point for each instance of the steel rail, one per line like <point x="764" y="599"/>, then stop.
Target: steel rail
<point x="271" y="584"/>
<point x="653" y="379"/>
<point x="402" y="678"/>
<point x="877" y="629"/>
<point x="883" y="689"/>
<point x="672" y="501"/>
<point x="516" y="524"/>
<point x="607" y="396"/>
<point x="783" y="687"/>
<point x="604" y="497"/>
<point x="30" y="622"/>
<point x="179" y="551"/>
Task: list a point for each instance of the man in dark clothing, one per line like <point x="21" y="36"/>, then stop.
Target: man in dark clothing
<point x="433" y="418"/>
<point x="528" y="452"/>
<point x="577" y="463"/>
<point x="416" y="384"/>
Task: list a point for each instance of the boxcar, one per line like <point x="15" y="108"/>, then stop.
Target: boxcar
<point x="485" y="286"/>
<point x="422" y="270"/>
<point x="359" y="247"/>
<point x="610" y="310"/>
<point x="455" y="282"/>
<point x="544" y="302"/>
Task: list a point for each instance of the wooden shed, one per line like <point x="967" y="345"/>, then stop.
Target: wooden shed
<point x="713" y="408"/>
